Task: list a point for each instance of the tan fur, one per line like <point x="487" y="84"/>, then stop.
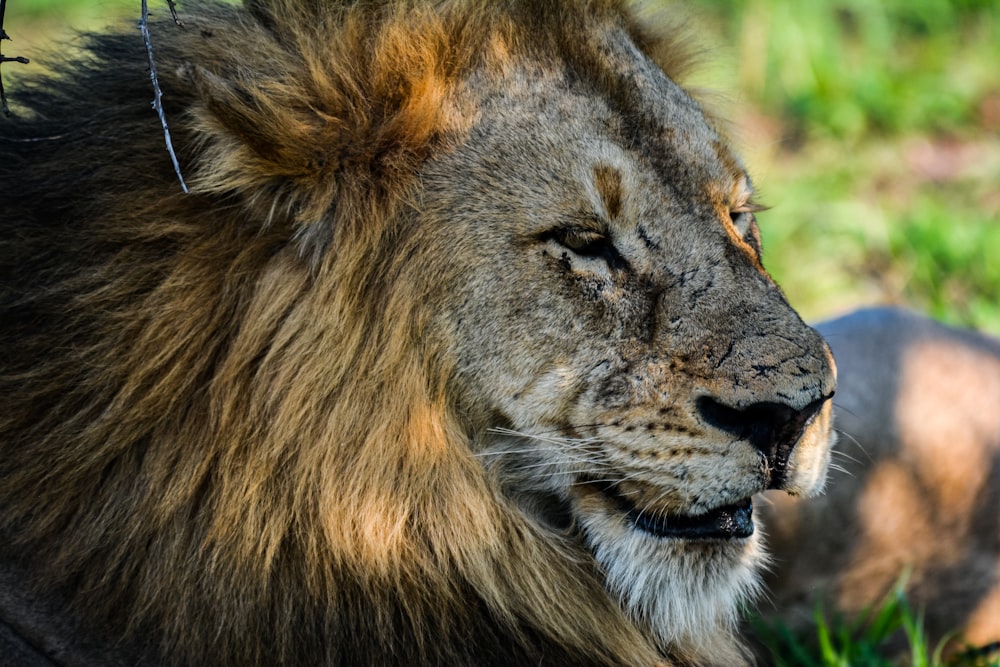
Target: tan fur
<point x="456" y="283"/>
<point x="916" y="488"/>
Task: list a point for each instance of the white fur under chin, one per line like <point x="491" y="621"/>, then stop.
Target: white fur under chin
<point x="688" y="593"/>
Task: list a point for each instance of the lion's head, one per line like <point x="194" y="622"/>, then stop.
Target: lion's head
<point x="460" y="351"/>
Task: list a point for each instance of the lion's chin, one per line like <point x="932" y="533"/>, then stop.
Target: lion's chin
<point x="684" y="578"/>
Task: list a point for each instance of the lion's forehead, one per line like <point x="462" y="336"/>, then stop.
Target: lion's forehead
<point x="622" y="111"/>
<point x="664" y="110"/>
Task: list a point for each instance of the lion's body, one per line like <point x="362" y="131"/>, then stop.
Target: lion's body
<point x="915" y="498"/>
<point x="460" y="339"/>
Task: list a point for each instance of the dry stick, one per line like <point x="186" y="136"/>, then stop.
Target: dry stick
<point x="157" y="93"/>
<point x="6" y="59"/>
<point x="173" y="13"/>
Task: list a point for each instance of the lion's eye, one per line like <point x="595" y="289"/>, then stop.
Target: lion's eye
<point x="746" y="224"/>
<point x="584" y="242"/>
<point x="587" y="243"/>
<point x="742" y="220"/>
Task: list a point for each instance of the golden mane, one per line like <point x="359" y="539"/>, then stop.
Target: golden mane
<point x="207" y="440"/>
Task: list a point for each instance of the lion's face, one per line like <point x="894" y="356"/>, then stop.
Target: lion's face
<point x="630" y="373"/>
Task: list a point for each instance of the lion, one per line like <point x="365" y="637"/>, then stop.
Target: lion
<point x="914" y="498"/>
<point x="460" y="350"/>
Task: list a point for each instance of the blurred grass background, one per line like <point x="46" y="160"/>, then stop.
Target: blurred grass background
<point x="872" y="127"/>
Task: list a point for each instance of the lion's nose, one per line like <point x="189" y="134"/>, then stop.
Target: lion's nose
<point x="771" y="427"/>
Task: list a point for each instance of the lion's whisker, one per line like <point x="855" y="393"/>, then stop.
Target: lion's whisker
<point x="840" y="468"/>
<point x="547" y="439"/>
<point x="845" y="455"/>
<point x="854" y="441"/>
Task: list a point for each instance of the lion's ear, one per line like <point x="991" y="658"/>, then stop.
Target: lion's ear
<point x="322" y="116"/>
<point x="262" y="141"/>
<point x="249" y="112"/>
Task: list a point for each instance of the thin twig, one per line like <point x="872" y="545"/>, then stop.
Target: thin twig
<point x="173" y="13"/>
<point x="6" y="59"/>
<point x="157" y="93"/>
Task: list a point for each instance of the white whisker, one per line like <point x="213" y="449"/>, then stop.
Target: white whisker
<point x="545" y="438"/>
<point x="854" y="441"/>
<point x="845" y="455"/>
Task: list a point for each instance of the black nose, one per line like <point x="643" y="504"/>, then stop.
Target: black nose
<point x="773" y="428"/>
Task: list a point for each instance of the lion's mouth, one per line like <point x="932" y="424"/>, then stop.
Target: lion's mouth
<point x="722" y="523"/>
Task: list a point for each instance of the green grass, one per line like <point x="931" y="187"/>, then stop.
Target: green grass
<point x="844" y="232"/>
<point x="879" y="147"/>
<point x="69" y="12"/>
<point x="848" y="68"/>
<point x="889" y="635"/>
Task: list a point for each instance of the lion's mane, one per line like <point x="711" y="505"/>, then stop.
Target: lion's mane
<point x="224" y="434"/>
